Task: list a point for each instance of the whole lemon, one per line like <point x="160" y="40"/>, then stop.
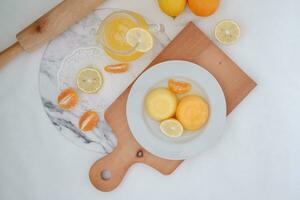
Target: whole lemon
<point x="172" y="7"/>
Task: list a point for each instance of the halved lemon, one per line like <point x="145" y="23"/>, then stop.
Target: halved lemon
<point x="89" y="80"/>
<point x="139" y="38"/>
<point x="171" y="127"/>
<point x="227" y="31"/>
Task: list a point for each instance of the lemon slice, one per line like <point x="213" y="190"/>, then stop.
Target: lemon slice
<point x="171" y="127"/>
<point x="89" y="80"/>
<point x="139" y="38"/>
<point x="227" y="31"/>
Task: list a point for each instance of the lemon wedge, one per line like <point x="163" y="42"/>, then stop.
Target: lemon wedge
<point x="139" y="38"/>
<point x="227" y="31"/>
<point x="171" y="128"/>
<point x="89" y="80"/>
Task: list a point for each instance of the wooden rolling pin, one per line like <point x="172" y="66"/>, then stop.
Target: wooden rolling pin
<point x="53" y="23"/>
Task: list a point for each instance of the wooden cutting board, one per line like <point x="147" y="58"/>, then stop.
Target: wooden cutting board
<point x="190" y="45"/>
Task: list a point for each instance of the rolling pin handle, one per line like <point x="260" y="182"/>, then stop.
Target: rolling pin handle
<point x="9" y="53"/>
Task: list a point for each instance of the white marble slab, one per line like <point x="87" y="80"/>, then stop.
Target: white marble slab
<point x="63" y="58"/>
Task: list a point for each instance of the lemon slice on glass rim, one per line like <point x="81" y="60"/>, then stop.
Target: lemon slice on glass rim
<point x="171" y="128"/>
<point x="140" y="39"/>
<point x="227" y="31"/>
<point x="89" y="80"/>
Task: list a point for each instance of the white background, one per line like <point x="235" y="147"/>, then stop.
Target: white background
<point x="258" y="157"/>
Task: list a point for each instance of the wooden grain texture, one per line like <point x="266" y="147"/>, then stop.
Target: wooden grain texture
<point x="190" y="45"/>
<point x="53" y="23"/>
<point x="9" y="53"/>
<point x="56" y="21"/>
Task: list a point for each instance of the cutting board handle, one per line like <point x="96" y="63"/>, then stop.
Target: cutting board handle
<point x="107" y="173"/>
<point x="9" y="53"/>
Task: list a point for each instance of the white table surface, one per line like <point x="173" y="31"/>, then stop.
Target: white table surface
<point x="258" y="157"/>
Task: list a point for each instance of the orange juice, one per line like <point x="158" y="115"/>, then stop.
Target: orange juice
<point x="112" y="35"/>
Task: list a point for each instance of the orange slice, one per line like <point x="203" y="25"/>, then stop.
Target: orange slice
<point x="67" y="99"/>
<point x="179" y="87"/>
<point x="117" y="68"/>
<point x="88" y="121"/>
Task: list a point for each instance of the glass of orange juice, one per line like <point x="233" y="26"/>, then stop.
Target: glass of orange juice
<point x="112" y="35"/>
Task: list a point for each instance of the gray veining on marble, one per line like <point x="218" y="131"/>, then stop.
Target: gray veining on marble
<point x="81" y="37"/>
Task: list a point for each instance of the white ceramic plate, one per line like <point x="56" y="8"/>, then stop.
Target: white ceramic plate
<point x="147" y="132"/>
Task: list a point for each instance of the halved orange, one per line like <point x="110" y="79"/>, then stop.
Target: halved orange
<point x="67" y="99"/>
<point x="88" y="121"/>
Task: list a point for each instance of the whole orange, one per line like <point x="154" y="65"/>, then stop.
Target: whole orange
<point x="203" y="7"/>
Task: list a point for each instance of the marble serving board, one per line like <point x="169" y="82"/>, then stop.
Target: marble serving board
<point x="63" y="57"/>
